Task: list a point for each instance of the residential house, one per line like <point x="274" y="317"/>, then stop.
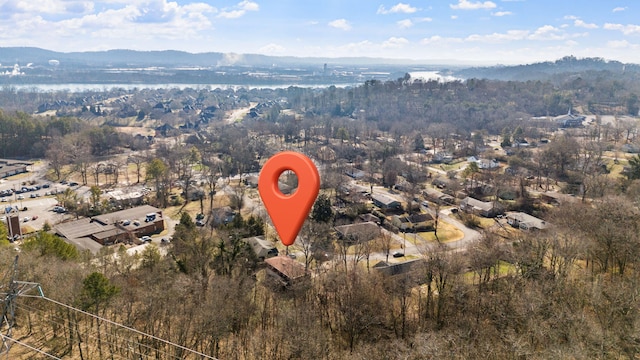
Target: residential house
<point x="285" y="270"/>
<point x="442" y="157"/>
<point x="438" y="197"/>
<point x="525" y="221"/>
<point x="415" y="222"/>
<point x="251" y="181"/>
<point x="421" y="221"/>
<point x="263" y="248"/>
<point x="222" y="215"/>
<point x="359" y="232"/>
<point x="484" y="164"/>
<point x="487" y="209"/>
<point x="402" y="268"/>
<point x="630" y="148"/>
<point x="369" y="218"/>
<point x="385" y="202"/>
<point x="354" y="173"/>
<point x="402" y="223"/>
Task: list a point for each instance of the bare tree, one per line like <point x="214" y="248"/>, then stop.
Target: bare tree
<point x="315" y="240"/>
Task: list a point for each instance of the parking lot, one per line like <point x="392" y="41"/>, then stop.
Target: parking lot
<point x="32" y="192"/>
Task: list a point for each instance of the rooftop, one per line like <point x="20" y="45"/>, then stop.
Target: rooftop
<point x="139" y="212"/>
<point x="286" y="267"/>
<point x="363" y="231"/>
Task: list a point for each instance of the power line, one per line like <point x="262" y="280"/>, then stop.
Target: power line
<point x="123" y="326"/>
<point x="7" y="338"/>
<point x="91" y="333"/>
<point x="21" y="288"/>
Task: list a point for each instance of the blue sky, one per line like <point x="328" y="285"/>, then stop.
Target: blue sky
<point x="487" y="31"/>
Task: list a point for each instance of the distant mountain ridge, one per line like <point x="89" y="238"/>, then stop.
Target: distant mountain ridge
<point x="121" y="57"/>
<point x="544" y="70"/>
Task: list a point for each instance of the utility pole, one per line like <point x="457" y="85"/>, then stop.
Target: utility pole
<point x="13" y="289"/>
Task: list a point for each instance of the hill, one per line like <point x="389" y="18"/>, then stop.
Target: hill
<point x="546" y="70"/>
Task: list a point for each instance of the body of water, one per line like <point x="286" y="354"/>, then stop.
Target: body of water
<point x="106" y="87"/>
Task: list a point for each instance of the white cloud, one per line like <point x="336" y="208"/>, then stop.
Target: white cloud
<point x="546" y="32"/>
<point x="511" y="35"/>
<point x="395" y="42"/>
<point x="156" y="24"/>
<point x="232" y="14"/>
<point x="453" y="17"/>
<point x="626" y="29"/>
<point x="272" y="49"/>
<point x="341" y="24"/>
<point x="502" y="13"/>
<point x="398" y="8"/>
<point x="362" y="46"/>
<point x="239" y="10"/>
<point x="439" y="40"/>
<point x="249" y="5"/>
<point x="405" y="24"/>
<point x="619" y="8"/>
<point x="470" y="5"/>
<point x="49" y="7"/>
<point x="582" y="24"/>
<point x="570" y="17"/>
<point x="618" y="44"/>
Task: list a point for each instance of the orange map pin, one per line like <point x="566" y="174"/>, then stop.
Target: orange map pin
<point x="288" y="212"/>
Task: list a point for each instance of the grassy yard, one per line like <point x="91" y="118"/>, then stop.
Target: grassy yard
<point x="446" y="233"/>
<point x="503" y="268"/>
<point x="453" y="166"/>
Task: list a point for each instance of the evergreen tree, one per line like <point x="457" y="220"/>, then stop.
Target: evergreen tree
<point x="322" y="211"/>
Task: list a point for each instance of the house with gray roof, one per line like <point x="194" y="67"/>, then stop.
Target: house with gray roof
<point x="525" y="221"/>
<point x="487" y="209"/>
<point x="386" y="202"/>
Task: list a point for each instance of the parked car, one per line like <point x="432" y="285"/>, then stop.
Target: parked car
<point x="200" y="223"/>
<point x="145" y="239"/>
<point x="126" y="222"/>
<point x="165" y="240"/>
<point x="398" y="254"/>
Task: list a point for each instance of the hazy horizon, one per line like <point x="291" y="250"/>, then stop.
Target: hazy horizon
<point x="467" y="31"/>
